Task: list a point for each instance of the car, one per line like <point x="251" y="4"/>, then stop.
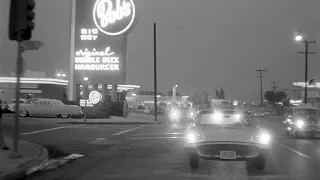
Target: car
<point x="12" y="104"/>
<point x="227" y="135"/>
<point x="302" y="121"/>
<point x="180" y="114"/>
<point x="49" y="108"/>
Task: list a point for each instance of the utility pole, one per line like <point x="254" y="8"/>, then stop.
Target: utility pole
<point x="155" y="71"/>
<point x="306" y="68"/>
<point x="260" y="76"/>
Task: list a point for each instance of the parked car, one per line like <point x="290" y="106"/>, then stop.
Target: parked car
<point x="11" y="106"/>
<point x="49" y="107"/>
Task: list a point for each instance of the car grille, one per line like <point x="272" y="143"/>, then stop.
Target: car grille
<point x="241" y="150"/>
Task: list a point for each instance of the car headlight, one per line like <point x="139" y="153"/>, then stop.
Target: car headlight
<point x="263" y="138"/>
<point x="174" y="114"/>
<point x="289" y="121"/>
<point x="238" y="116"/>
<point x="218" y="115"/>
<point x="300" y="124"/>
<point x="193" y="137"/>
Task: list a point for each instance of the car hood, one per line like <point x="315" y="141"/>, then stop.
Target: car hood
<point x="241" y="134"/>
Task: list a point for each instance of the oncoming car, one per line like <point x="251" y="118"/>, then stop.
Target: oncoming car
<point x="49" y="107"/>
<point x="226" y="135"/>
<point x="180" y="114"/>
<point x="302" y="121"/>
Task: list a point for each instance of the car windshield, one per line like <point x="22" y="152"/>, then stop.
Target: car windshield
<point x="20" y="101"/>
<point x="223" y="118"/>
<point x="307" y="112"/>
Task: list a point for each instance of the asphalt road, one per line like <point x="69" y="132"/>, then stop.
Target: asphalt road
<point x="156" y="152"/>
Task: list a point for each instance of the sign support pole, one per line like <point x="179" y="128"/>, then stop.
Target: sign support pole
<point x="155" y="71"/>
<point x="19" y="69"/>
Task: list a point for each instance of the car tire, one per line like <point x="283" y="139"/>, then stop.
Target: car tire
<point x="64" y="116"/>
<point x="260" y="162"/>
<point x="194" y="161"/>
<point x="24" y="113"/>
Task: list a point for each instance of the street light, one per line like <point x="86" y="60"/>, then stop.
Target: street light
<point x="299" y="38"/>
<point x="63" y="75"/>
<point x="85" y="90"/>
<point x="174" y="93"/>
<point x="59" y="75"/>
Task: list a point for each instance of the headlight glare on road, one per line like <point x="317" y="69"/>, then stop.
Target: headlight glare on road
<point x="300" y="124"/>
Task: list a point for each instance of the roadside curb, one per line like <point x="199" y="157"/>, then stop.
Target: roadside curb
<point x="29" y="167"/>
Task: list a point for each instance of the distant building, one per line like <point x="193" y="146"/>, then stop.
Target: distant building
<point x="35" y="84"/>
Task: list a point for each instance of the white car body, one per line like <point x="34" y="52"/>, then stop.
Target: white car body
<point x="12" y="104"/>
<point x="218" y="138"/>
<point x="228" y="142"/>
<point x="49" y="107"/>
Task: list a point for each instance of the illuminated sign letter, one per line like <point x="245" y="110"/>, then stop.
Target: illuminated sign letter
<point x="113" y="17"/>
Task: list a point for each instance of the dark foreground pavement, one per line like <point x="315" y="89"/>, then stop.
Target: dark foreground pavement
<point x="155" y="151"/>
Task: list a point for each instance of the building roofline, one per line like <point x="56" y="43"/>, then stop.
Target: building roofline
<point x="27" y="80"/>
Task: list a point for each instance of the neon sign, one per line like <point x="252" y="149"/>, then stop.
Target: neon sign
<point x="95" y="97"/>
<point x="88" y="34"/>
<point x="114" y="17"/>
<point x="95" y="60"/>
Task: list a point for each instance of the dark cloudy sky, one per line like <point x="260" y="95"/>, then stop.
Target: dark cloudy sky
<point x="221" y="43"/>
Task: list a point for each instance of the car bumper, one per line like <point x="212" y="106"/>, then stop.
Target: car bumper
<point x="243" y="150"/>
<point x="306" y="130"/>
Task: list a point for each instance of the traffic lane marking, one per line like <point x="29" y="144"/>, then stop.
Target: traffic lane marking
<point x="50" y="129"/>
<point x="128" y="130"/>
<point x="295" y="151"/>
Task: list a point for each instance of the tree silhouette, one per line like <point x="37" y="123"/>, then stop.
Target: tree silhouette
<point x="272" y="97"/>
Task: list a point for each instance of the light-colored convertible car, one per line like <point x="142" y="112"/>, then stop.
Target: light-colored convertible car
<point x="48" y="108"/>
<point x="227" y="135"/>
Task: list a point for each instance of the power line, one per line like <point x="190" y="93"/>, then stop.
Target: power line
<point x="260" y="76"/>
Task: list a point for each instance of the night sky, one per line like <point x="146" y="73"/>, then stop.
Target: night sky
<point x="202" y="45"/>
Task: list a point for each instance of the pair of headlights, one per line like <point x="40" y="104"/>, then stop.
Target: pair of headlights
<point x="299" y="123"/>
<point x="263" y="138"/>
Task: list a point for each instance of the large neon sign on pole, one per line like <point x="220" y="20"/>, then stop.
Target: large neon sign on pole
<point x="99" y="40"/>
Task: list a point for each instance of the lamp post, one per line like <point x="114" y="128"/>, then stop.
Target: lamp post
<point x="174" y="93"/>
<point x="85" y="91"/>
<point x="299" y="38"/>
